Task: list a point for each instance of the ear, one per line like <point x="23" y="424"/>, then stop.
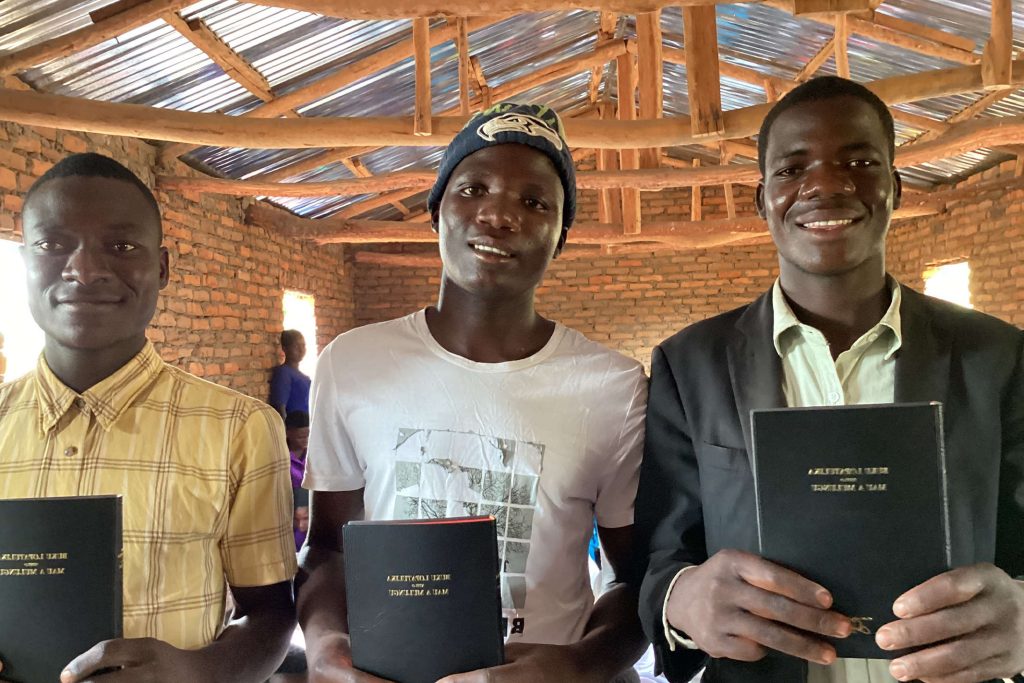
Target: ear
<point x="759" y="198"/>
<point x="561" y="243"/>
<point x="435" y="221"/>
<point x="165" y="267"/>
<point x="897" y="197"/>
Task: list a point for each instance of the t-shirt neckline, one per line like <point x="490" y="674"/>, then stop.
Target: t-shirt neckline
<point x="419" y="320"/>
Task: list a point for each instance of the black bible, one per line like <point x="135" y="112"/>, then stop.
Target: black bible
<point x="423" y="597"/>
<point x="855" y="499"/>
<point x="60" y="582"/>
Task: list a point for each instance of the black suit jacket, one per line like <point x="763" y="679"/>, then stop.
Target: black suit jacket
<point x="696" y="493"/>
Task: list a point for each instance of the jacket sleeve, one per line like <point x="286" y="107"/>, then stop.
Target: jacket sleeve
<point x="669" y="517"/>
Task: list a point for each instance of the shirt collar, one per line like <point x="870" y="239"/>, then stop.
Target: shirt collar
<point x="107" y="399"/>
<point x="784" y="319"/>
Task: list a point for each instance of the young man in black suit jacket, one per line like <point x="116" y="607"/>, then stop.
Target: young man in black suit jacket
<point x="835" y="329"/>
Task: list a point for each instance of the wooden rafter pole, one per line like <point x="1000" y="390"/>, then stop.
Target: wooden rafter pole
<point x="629" y="158"/>
<point x="997" y="61"/>
<point x="342" y="78"/>
<point x="100" y="31"/>
<point x="462" y="45"/>
<point x="649" y="73"/>
<point x="907" y="41"/>
<point x="421" y="121"/>
<point x="605" y="32"/>
<point x="650" y="179"/>
<point x="842" y="41"/>
<point x="700" y="30"/>
<point x="696" y="207"/>
<point x="730" y="196"/>
<point x="199" y="34"/>
<point x="816" y="62"/>
<point x="609" y="200"/>
<point x="404" y="9"/>
<point x="132" y="120"/>
<point x="739" y="73"/>
<point x="357" y="169"/>
<point x="915" y="29"/>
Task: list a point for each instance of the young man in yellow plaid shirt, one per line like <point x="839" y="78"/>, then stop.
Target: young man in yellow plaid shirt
<point x="203" y="470"/>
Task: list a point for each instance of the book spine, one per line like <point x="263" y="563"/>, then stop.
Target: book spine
<point x="117" y="608"/>
<point x="940" y="439"/>
<point x="497" y="589"/>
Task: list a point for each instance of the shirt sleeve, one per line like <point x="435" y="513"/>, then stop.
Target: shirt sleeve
<point x="280" y="386"/>
<point x="332" y="463"/>
<point x="258" y="548"/>
<point x="617" y="492"/>
<point x="672" y="636"/>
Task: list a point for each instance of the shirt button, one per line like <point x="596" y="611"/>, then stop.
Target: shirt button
<point x="70" y="451"/>
<point x="833" y="397"/>
<point x="80" y="403"/>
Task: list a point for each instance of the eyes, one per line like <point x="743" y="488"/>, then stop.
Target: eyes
<point x="795" y="170"/>
<point x="531" y="202"/>
<point x="55" y="246"/>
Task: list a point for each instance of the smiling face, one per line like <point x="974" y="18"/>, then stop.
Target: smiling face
<point x="829" y="187"/>
<point x="94" y="263"/>
<point x="500" y="220"/>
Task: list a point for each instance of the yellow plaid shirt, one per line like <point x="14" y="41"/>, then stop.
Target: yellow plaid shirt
<point x="204" y="472"/>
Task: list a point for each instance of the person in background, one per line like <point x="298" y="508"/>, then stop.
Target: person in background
<point x="289" y="386"/>
<point x="296" y="431"/>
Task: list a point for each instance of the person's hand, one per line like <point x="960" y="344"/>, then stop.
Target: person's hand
<point x="534" y="663"/>
<point x="332" y="663"/>
<point x="973" y="620"/>
<point x="135" y="660"/>
<point x="737" y="605"/>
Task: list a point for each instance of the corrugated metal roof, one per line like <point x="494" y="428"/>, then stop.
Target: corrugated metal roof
<point x="154" y="65"/>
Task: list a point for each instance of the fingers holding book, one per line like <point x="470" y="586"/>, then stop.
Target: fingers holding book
<point x="332" y="663"/>
<point x="969" y="623"/>
<point x="737" y="605"/>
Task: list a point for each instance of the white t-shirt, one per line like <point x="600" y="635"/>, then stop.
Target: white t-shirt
<point x="545" y="444"/>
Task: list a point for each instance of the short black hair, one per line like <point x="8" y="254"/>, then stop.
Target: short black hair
<point x="825" y="88"/>
<point x="289" y="336"/>
<point x="296" y="419"/>
<point x="93" y="165"/>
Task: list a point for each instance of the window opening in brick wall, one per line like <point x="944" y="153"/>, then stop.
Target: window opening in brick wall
<point x="949" y="281"/>
<point x="300" y="314"/>
<point x="22" y="338"/>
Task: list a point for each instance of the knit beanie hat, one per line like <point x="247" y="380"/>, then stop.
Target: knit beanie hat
<point x="535" y="125"/>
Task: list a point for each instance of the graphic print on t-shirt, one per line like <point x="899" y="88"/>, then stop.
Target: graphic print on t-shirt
<point x="444" y="473"/>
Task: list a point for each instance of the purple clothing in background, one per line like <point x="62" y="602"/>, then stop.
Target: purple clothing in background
<point x="298" y="466"/>
<point x="290" y="388"/>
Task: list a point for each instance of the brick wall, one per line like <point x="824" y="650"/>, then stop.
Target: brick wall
<point x="221" y="314"/>
<point x="987" y="230"/>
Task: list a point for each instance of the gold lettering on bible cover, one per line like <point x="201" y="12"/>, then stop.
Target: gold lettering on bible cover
<point x="418" y="585"/>
<point x="32" y="564"/>
<point x="848" y="479"/>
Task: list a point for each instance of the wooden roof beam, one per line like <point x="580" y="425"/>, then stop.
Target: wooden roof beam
<point x="997" y="60"/>
<point x="422" y="118"/>
<point x="733" y="71"/>
<point x="462" y="47"/>
<point x="629" y="158"/>
<point x="357" y="169"/>
<point x="407" y="9"/>
<point x="107" y="28"/>
<point x="55" y="111"/>
<point x="817" y="61"/>
<point x="239" y="70"/>
<point x="908" y="41"/>
<point x="700" y="30"/>
<point x="649" y="74"/>
<point x="342" y="78"/>
<point x="648" y="179"/>
<point x="842" y="40"/>
<point x="920" y="30"/>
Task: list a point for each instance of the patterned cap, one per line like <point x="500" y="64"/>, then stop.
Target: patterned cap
<point x="535" y="125"/>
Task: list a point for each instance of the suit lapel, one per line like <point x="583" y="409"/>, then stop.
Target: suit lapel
<point x="922" y="363"/>
<point x="755" y="368"/>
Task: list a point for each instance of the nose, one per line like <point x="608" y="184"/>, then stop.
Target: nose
<point x="827" y="180"/>
<point x="500" y="211"/>
<point x="86" y="265"/>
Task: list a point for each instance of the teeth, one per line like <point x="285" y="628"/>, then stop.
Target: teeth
<point x="491" y="250"/>
<point x="828" y="224"/>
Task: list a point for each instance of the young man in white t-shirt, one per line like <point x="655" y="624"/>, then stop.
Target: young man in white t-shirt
<point x="479" y="405"/>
